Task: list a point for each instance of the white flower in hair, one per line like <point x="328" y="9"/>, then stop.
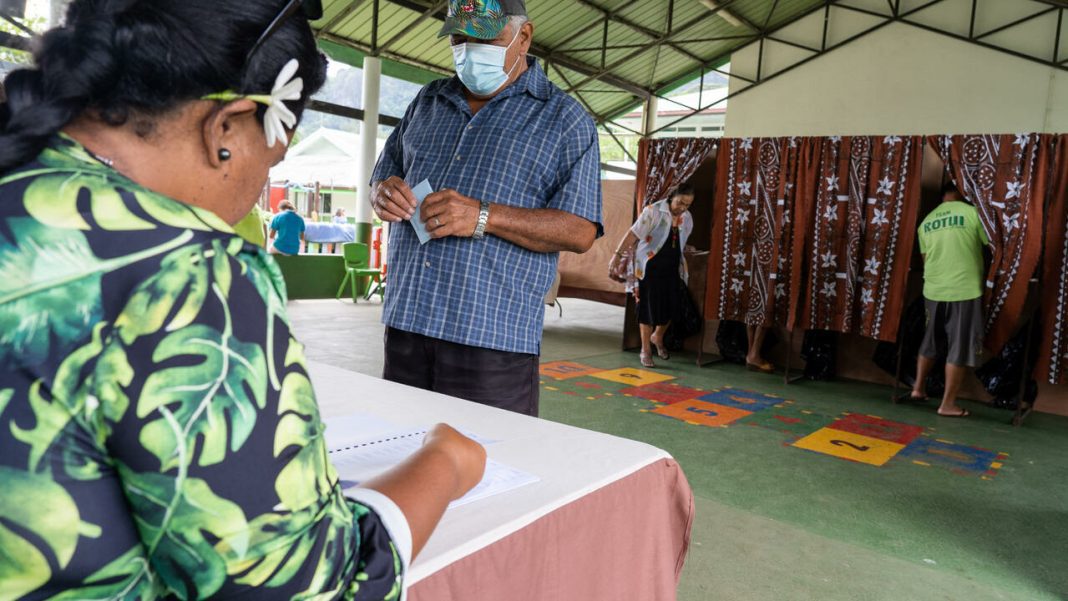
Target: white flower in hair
<point x="287" y="86"/>
<point x="278" y="117"/>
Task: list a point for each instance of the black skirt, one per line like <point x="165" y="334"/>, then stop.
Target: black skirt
<point x="658" y="291"/>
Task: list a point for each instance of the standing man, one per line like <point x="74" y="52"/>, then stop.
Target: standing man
<point x="951" y="241"/>
<point x="515" y="165"/>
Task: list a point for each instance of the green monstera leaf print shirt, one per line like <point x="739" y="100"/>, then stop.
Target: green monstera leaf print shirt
<point x="159" y="435"/>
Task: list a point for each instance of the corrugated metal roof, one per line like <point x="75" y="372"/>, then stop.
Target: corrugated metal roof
<point x="651" y="44"/>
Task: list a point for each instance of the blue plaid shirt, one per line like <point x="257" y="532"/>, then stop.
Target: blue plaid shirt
<point x="532" y="146"/>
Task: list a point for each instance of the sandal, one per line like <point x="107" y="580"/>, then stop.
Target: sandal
<point x="661" y="350"/>
<point x="963" y="413"/>
<point x="908" y="398"/>
<point x="766" y="368"/>
<point x="647" y="359"/>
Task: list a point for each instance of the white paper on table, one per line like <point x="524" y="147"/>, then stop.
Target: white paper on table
<point x="420" y="191"/>
<point x="357" y="427"/>
<point x="359" y="462"/>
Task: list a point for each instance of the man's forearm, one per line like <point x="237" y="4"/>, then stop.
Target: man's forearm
<point x="542" y="230"/>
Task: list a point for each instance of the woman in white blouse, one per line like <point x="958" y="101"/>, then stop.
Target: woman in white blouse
<point x="655" y="242"/>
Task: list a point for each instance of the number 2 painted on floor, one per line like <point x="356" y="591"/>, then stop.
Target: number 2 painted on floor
<point x="846" y="443"/>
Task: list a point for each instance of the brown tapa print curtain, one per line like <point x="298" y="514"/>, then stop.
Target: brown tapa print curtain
<point x="761" y="185"/>
<point x="1006" y="177"/>
<point x="1053" y="350"/>
<point x="861" y="230"/>
<point x="664" y="164"/>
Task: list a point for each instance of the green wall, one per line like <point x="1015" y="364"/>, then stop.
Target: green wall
<point x="316" y="276"/>
<point x="312" y="276"/>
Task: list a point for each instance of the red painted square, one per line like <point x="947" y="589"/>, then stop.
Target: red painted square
<point x="663" y="392"/>
<point x="875" y="427"/>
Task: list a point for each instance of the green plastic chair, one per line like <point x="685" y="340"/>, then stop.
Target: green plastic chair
<point x="357" y="265"/>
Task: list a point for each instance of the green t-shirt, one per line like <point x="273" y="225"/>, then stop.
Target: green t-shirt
<point x="952" y="240"/>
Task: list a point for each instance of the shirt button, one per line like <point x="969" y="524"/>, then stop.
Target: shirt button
<point x="427" y="264"/>
<point x="470" y="127"/>
<point x="457" y="157"/>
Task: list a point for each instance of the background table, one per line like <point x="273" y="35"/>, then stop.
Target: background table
<point x="329" y="233"/>
<point x="610" y="518"/>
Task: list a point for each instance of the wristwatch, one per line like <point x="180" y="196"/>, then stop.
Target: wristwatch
<point x="483" y="221"/>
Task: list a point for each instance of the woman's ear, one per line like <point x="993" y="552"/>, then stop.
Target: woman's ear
<point x="221" y="129"/>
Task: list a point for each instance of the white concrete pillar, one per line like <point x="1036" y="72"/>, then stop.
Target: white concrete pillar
<point x="372" y="77"/>
<point x="649" y="116"/>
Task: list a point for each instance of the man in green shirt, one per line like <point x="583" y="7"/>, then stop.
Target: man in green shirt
<point x="951" y="241"/>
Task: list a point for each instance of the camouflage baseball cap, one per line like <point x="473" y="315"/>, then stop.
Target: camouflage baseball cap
<point x="483" y="19"/>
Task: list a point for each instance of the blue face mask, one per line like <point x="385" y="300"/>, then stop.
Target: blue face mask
<point x="481" y="66"/>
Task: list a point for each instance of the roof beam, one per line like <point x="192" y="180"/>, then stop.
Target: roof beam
<point x="365" y="48"/>
<point x="428" y="13"/>
<point x="551" y="56"/>
<point x="592" y="25"/>
<point x="657" y="42"/>
<point x="725" y="55"/>
<point x="651" y="33"/>
<point x="16" y="42"/>
<point x="340" y="17"/>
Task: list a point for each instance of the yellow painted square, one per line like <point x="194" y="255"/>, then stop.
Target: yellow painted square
<point x="632" y="376"/>
<point x="847" y="445"/>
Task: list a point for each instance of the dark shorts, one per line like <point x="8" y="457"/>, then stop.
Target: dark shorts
<point x="495" y="378"/>
<point x="954" y="331"/>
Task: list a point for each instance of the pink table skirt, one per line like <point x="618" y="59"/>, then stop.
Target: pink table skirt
<point x="627" y="540"/>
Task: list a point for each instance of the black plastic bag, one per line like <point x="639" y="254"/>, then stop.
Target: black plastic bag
<point x="732" y="340"/>
<point x="819" y="349"/>
<point x="1001" y="375"/>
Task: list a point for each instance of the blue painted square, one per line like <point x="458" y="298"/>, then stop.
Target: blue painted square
<point x="742" y="399"/>
<point x="953" y="456"/>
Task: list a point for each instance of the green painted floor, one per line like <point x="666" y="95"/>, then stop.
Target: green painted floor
<point x="778" y="523"/>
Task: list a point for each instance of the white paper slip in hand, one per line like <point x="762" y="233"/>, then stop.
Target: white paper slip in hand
<point x="420" y="191"/>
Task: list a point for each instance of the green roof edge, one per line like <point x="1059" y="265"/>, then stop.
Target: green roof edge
<point x="353" y="57"/>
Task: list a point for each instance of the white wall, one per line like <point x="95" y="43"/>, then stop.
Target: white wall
<point x="897" y="80"/>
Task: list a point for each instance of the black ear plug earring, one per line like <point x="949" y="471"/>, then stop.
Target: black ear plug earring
<point x="225" y="155"/>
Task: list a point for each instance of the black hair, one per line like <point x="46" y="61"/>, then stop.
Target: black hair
<point x="140" y="59"/>
<point x="686" y="189"/>
<point x="949" y="187"/>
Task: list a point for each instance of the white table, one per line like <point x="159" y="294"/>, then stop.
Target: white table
<point x="585" y="476"/>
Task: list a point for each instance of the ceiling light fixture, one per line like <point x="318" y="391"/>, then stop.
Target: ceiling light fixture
<point x="726" y="14"/>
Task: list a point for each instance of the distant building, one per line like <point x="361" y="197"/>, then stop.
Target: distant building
<point x="327" y="157"/>
<point x="709" y="123"/>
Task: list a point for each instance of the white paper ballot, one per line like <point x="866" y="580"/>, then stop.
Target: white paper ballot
<point x="420" y="191"/>
<point x="361" y="461"/>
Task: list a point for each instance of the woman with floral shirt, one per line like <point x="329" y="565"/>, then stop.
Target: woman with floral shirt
<point x="654" y="245"/>
<point x="159" y="435"/>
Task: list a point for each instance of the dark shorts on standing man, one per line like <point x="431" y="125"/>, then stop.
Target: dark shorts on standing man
<point x="496" y="378"/>
<point x="954" y="331"/>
